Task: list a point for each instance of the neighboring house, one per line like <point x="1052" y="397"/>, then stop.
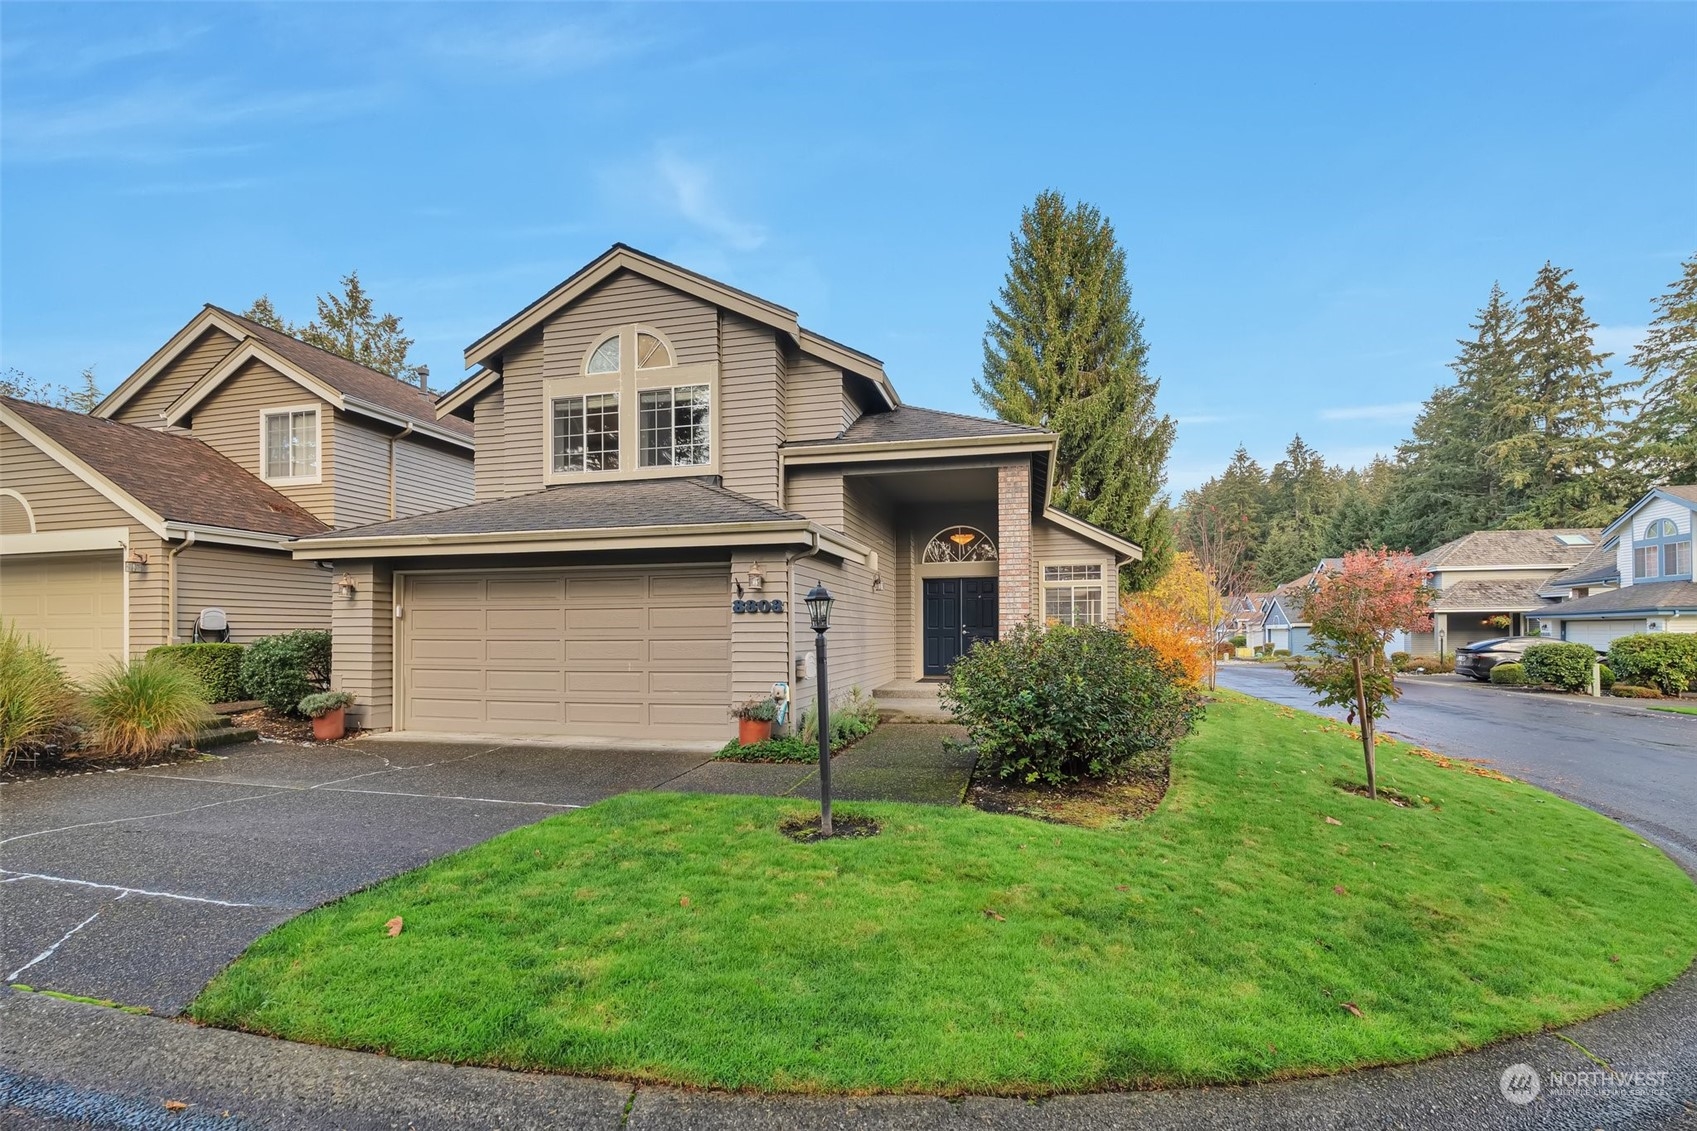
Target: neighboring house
<point x="179" y="492"/>
<point x="1282" y="622"/>
<point x="1488" y="582"/>
<point x="1244" y="618"/>
<point x="1652" y="563"/>
<point x="666" y="465"/>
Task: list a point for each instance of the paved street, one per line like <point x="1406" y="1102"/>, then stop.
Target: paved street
<point x="1636" y="765"/>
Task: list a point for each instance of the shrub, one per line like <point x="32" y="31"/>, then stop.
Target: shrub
<point x="217" y="666"/>
<point x="1057" y="704"/>
<point x="1509" y="675"/>
<point x="790" y="748"/>
<point x="1399" y="661"/>
<point x="323" y="702"/>
<point x="1430" y="664"/>
<point x="1164" y="629"/>
<point x="141" y="708"/>
<point x="1607" y="677"/>
<point x="1240" y="641"/>
<point x="38" y="701"/>
<point x="1628" y="691"/>
<point x="280" y="671"/>
<point x="1665" y="661"/>
<point x="851" y="720"/>
<point x="1281" y="651"/>
<point x="1567" y="666"/>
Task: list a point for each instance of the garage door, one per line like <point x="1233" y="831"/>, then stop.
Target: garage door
<point x="1599" y="633"/>
<point x="74" y="603"/>
<point x="619" y="654"/>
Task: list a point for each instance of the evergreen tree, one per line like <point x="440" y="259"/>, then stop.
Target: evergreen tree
<point x="348" y="324"/>
<point x="1666" y="427"/>
<point x="1563" y="414"/>
<point x="84" y="398"/>
<point x="1227" y="509"/>
<point x="1064" y="351"/>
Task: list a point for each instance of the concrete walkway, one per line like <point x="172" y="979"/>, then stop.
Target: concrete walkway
<point x="896" y="762"/>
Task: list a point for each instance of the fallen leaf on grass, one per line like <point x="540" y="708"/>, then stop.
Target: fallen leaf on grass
<point x="992" y="913"/>
<point x="1353" y="1008"/>
<point x="1333" y="821"/>
<point x="394" y="926"/>
<point x="1614" y="958"/>
<point x="683" y="901"/>
<point x="1339" y="889"/>
<point x="175" y="1105"/>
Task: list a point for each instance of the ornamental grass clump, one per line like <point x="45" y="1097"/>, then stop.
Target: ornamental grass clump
<point x="38" y="701"/>
<point x="141" y="708"/>
<point x="1063" y="703"/>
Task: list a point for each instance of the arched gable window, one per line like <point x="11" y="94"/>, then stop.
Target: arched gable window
<point x="1662" y="553"/>
<point x="959" y="544"/>
<point x="15" y="514"/>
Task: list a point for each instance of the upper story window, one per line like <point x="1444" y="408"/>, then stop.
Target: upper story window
<point x="1072" y="594"/>
<point x="666" y="422"/>
<point x="1662" y="552"/>
<point x="288" y="443"/>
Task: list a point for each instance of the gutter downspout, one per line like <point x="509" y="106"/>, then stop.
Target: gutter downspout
<point x="171" y="584"/>
<point x="393" y="440"/>
<point x="789" y="616"/>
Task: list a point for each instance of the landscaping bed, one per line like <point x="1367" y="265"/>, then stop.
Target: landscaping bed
<point x="1261" y="923"/>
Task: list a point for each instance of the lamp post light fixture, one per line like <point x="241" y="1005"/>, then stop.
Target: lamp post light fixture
<point x="819" y="602"/>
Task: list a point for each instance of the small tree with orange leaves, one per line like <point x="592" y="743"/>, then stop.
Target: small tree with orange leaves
<point x="1174" y="619"/>
<point x="1354" y="612"/>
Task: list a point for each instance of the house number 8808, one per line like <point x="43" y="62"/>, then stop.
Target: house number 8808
<point x="757" y="606"/>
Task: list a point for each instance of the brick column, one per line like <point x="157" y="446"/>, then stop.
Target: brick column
<point x="1013" y="544"/>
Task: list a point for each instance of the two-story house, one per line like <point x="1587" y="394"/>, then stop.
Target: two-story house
<point x="180" y="492"/>
<point x="1652" y="554"/>
<point x="1488" y="583"/>
<point x="666" y="465"/>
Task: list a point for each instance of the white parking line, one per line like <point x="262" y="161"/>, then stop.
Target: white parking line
<point x="139" y="817"/>
<point x="123" y="889"/>
<point x="447" y="797"/>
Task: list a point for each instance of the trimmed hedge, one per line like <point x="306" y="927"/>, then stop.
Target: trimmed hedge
<point x="1509" y="675"/>
<point x="1438" y="664"/>
<point x="280" y="671"/>
<point x="1666" y="661"/>
<point x="218" y="667"/>
<point x="1566" y="666"/>
<point x="1628" y="691"/>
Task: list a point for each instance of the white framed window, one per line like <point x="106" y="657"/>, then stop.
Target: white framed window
<point x="289" y="444"/>
<point x="604" y="358"/>
<point x="1073" y="593"/>
<point x="675" y="427"/>
<point x="585" y="432"/>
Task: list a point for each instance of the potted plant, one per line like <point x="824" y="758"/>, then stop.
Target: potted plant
<point x="325" y="709"/>
<point x="754" y="720"/>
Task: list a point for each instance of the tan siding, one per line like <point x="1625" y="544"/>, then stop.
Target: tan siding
<point x="262" y="593"/>
<point x="750" y="409"/>
<point x="148" y="593"/>
<point x="430" y="478"/>
<point x="517" y="468"/>
<point x="814" y="400"/>
<point x="361" y="473"/>
<point x="818" y="494"/>
<point x="59" y="499"/>
<point x="171" y="382"/>
<point x="1052" y="545"/>
<point x="690" y="324"/>
<point x="760" y="642"/>
<point x="488" y="466"/>
<point x="362" y="634"/>
<point x="15" y="516"/>
<point x="228" y="421"/>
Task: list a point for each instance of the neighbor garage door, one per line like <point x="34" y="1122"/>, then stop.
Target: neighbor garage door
<point x="620" y="654"/>
<point x="74" y="603"/>
<point x="1599" y="633"/>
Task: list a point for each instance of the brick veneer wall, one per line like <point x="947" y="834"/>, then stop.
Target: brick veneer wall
<point x="1013" y="537"/>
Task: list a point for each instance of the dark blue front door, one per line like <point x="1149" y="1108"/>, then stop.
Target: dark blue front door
<point x="959" y="612"/>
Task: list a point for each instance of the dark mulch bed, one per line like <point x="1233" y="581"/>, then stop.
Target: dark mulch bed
<point x="273" y="727"/>
<point x="55" y="764"/>
<point x="843" y="826"/>
<point x="1087" y="804"/>
<point x="1389" y="796"/>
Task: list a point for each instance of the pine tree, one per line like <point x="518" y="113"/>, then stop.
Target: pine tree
<point x="348" y="324"/>
<point x="86" y="397"/>
<point x="1666" y="427"/>
<point x="1064" y="351"/>
<point x="1228" y="510"/>
<point x="1560" y="451"/>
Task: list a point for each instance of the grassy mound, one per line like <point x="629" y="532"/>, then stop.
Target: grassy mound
<point x="1236" y="934"/>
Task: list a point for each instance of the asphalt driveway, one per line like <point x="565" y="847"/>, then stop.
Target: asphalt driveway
<point x="138" y="886"/>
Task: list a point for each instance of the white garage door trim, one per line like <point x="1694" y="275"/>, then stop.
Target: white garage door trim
<point x="1601" y="633"/>
<point x="112" y="557"/>
<point x="596" y="701"/>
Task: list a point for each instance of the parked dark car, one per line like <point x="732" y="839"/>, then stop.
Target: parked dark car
<point x="1477" y="660"/>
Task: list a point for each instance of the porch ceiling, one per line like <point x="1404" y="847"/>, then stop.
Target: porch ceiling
<point x="940" y="485"/>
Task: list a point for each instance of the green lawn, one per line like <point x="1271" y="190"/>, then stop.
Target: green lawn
<point x="1677" y="710"/>
<point x="681" y="938"/>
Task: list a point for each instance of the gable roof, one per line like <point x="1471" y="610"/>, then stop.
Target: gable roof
<point x="1600" y="567"/>
<point x="1647" y="598"/>
<point x="177" y="478"/>
<point x="1512" y="549"/>
<point x="351" y="386"/>
<point x="908" y="423"/>
<point x="1479" y="596"/>
<point x="623" y="257"/>
<point x="1680" y="493"/>
<point x="1290" y="599"/>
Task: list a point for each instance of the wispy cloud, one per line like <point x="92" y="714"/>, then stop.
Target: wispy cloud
<point x="691" y="189"/>
<point x="1402" y="410"/>
<point x="559" y="47"/>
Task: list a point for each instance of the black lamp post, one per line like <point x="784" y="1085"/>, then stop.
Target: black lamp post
<point x="819" y="602"/>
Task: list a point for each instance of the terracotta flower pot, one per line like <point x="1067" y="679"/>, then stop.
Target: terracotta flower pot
<point x="750" y="731"/>
<point x="329" y="726"/>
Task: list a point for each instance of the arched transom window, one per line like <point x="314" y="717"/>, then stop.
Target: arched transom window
<point x="959" y="544"/>
<point x="1662" y="553"/>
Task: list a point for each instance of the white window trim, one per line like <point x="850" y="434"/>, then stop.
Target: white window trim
<point x="1100" y="584"/>
<point x="629" y="383"/>
<point x="317" y="475"/>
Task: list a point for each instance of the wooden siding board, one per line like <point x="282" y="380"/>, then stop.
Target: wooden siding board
<point x="228" y="421"/>
<point x="148" y="406"/>
<point x="814" y="400"/>
<point x="263" y="593"/>
<point x="360" y="472"/>
<point x="749" y="409"/>
<point x="429" y="477"/>
<point x="60" y="500"/>
<point x="362" y="634"/>
<point x="488" y="467"/>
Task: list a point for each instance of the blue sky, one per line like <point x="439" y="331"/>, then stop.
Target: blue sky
<point x="1313" y="199"/>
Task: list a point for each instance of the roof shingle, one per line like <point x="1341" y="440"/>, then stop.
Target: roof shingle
<point x="1484" y="548"/>
<point x="910" y="423"/>
<point x="1489" y="597"/>
<point x="1646" y="597"/>
<point x="179" y="478"/>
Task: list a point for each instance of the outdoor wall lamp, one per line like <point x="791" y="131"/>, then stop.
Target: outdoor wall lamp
<point x="819" y="602"/>
<point x="756" y="578"/>
<point x="345" y="586"/>
<point x="135" y="562"/>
